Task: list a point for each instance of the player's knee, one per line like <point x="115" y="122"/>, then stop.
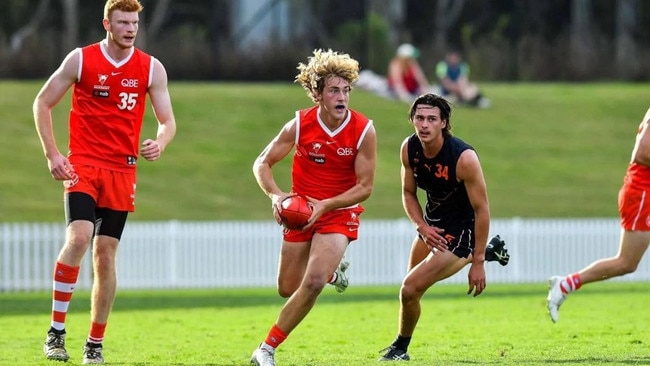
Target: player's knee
<point x="286" y="292"/>
<point x="104" y="255"/>
<point x="627" y="267"/>
<point x="79" y="242"/>
<point x="313" y="284"/>
<point x="409" y="293"/>
<point x="287" y="285"/>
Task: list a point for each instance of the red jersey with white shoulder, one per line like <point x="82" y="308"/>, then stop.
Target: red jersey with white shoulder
<point x="108" y="106"/>
<point x="323" y="163"/>
<point x="638" y="175"/>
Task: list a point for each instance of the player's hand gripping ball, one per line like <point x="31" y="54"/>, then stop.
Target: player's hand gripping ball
<point x="295" y="212"/>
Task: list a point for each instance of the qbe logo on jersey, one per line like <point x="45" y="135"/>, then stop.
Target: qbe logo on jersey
<point x="130" y="83"/>
<point x="345" y="151"/>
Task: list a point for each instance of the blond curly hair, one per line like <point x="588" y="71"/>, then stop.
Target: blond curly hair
<point x="322" y="65"/>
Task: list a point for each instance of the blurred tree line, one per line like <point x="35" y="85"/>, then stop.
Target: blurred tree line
<point x="504" y="40"/>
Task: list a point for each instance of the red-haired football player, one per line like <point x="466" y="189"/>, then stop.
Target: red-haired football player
<point x="110" y="81"/>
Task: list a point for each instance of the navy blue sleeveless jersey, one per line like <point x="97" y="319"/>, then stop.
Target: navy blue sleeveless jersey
<point x="448" y="205"/>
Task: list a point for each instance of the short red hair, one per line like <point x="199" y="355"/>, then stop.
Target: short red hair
<point x="123" y="5"/>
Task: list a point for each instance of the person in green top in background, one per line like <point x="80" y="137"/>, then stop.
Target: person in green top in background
<point x="453" y="75"/>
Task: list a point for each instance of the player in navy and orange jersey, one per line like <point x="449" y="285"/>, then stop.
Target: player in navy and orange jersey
<point x="634" y="211"/>
<point x="453" y="228"/>
<point x="334" y="166"/>
<point x="110" y="81"/>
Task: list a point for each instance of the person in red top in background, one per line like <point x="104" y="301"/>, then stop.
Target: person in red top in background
<point x="634" y="211"/>
<point x="406" y="79"/>
<point x="110" y="81"/>
<point x="334" y="167"/>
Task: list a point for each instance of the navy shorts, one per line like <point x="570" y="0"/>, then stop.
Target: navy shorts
<point x="460" y="241"/>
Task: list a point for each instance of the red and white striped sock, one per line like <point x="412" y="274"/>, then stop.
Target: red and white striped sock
<point x="96" y="333"/>
<point x="65" y="280"/>
<point x="571" y="283"/>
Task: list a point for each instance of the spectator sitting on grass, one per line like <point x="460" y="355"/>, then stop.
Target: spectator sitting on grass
<point x="453" y="75"/>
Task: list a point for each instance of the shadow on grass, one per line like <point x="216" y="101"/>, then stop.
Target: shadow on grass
<point x="572" y="361"/>
<point x="129" y="300"/>
<point x="634" y="360"/>
<point x="177" y="364"/>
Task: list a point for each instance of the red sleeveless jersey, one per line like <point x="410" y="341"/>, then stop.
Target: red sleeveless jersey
<point x="108" y="106"/>
<point x="323" y="162"/>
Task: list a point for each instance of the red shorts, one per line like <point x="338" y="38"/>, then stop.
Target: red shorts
<point x="110" y="189"/>
<point x="634" y="208"/>
<point x="343" y="221"/>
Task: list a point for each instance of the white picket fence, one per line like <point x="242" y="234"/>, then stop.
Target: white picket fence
<point x="236" y="254"/>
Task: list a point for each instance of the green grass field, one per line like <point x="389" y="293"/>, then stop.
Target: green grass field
<point x="548" y="150"/>
<point x="604" y="323"/>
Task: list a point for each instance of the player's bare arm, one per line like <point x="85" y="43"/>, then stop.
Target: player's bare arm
<point x="275" y="151"/>
<point x="468" y="170"/>
<point x="431" y="235"/>
<point x="162" y="108"/>
<point x="49" y="95"/>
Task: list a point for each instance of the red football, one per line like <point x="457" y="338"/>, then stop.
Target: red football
<point x="295" y="212"/>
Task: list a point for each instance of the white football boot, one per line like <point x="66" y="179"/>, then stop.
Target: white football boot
<point x="262" y="357"/>
<point x="555" y="297"/>
<point x="341" y="282"/>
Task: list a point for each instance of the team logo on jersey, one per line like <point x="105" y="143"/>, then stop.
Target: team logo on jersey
<point x="353" y="222"/>
<point x="314" y="154"/>
<point x="131" y="160"/>
<point x="101" y="90"/>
